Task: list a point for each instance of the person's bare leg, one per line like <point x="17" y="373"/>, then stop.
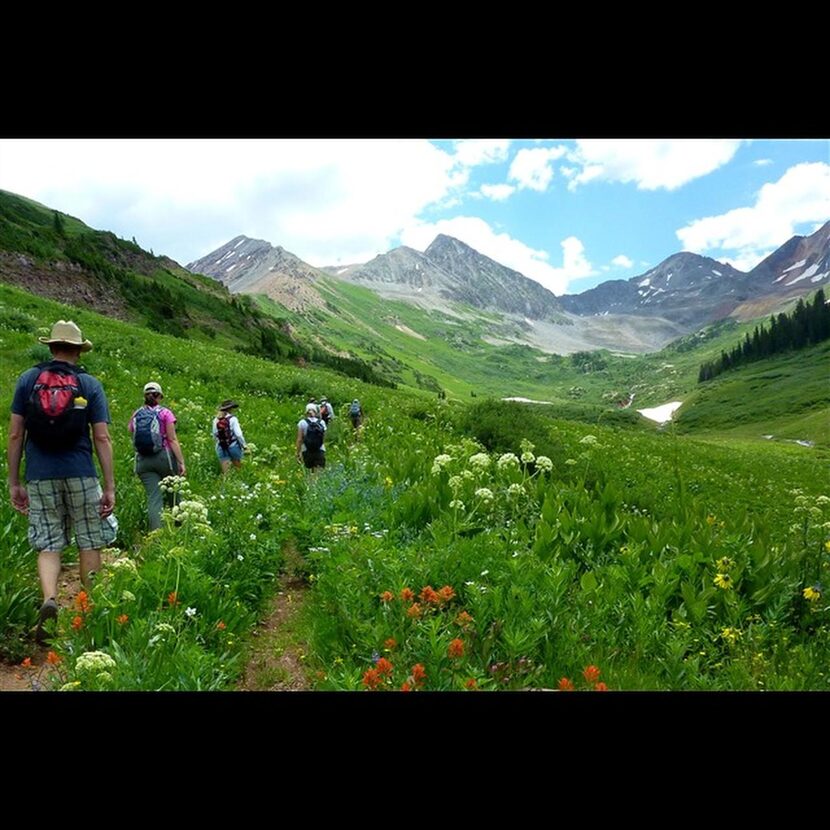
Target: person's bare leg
<point x="226" y="465"/>
<point x="237" y="464"/>
<point x="49" y="569"/>
<point x="90" y="564"/>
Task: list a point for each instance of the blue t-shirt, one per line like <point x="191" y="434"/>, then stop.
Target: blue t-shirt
<point x="77" y="460"/>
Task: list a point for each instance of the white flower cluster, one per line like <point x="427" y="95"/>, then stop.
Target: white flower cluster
<point x="590" y="440"/>
<point x="526" y="446"/>
<point x="439" y="462"/>
<point x="192" y="511"/>
<point x="485" y="494"/>
<point x="514" y="491"/>
<point x="544" y="463"/>
<point x="481" y="461"/>
<point x="127" y="596"/>
<point x="456" y="504"/>
<point x="94" y="661"/>
<point x="124" y="563"/>
<point x="175" y="484"/>
<point x="455" y="482"/>
<point x="528" y="457"/>
<point x="508" y="461"/>
<point x="162" y="630"/>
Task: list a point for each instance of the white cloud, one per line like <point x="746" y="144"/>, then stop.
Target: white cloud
<point x="503" y="248"/>
<point x="762" y="162"/>
<point x="622" y="260"/>
<point x="532" y="169"/>
<point x="497" y="192"/>
<point x="650" y="163"/>
<point x="801" y="195"/>
<point x="321" y="199"/>
<point x="470" y="152"/>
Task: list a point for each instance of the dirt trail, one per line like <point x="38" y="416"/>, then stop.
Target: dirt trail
<point x="276" y="658"/>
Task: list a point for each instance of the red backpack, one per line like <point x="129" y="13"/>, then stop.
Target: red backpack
<point x="224" y="433"/>
<point x="56" y="414"/>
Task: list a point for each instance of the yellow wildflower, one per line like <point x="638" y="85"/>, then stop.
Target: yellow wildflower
<point x="723" y="581"/>
<point x="731" y="635"/>
<point x="725" y="563"/>
<point x="812" y="593"/>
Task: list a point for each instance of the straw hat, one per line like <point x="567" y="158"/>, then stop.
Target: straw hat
<point x="227" y="405"/>
<point x="66" y="332"/>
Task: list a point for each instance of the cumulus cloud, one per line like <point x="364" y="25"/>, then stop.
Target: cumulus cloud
<point x="649" y="163"/>
<point x="503" y="248"/>
<point x="325" y="200"/>
<point x="801" y="195"/>
<point x="497" y="192"/>
<point x="532" y="169"/>
<point x="471" y="152"/>
<point x="622" y="260"/>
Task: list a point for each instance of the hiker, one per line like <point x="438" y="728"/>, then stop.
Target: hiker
<point x="311" y="431"/>
<point x="356" y="413"/>
<point x="54" y="405"/>
<point x="156" y="445"/>
<point x="230" y="442"/>
<point x="326" y="411"/>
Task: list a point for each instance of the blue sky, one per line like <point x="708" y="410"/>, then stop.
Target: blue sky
<point x="569" y="213"/>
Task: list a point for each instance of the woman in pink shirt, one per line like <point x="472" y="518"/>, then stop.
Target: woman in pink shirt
<point x="154" y="437"/>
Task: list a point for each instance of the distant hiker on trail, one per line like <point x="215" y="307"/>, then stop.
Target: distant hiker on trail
<point x="326" y="411"/>
<point x="356" y="413"/>
<point x="230" y="442"/>
<point x="311" y="431"/>
<point x="54" y="405"/>
<point x="156" y="445"/>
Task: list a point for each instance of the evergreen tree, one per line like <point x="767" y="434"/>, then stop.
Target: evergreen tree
<point x="57" y="223"/>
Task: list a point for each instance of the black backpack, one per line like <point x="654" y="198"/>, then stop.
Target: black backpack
<point x="314" y="433"/>
<point x="224" y="433"/>
<point x="56" y="411"/>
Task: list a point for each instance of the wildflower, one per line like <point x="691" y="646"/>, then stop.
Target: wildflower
<point x="455" y="482"/>
<point x="528" y="458"/>
<point x="525" y="445"/>
<point x="407" y="595"/>
<point x="456" y="504"/>
<point x="390" y="644"/>
<point x="419" y="674"/>
<point x="252" y="537"/>
<point x="571" y="462"/>
<point x="77" y="623"/>
<point x="481" y="461"/>
<point x="70" y="687"/>
<point x="384" y="666"/>
<point x="122" y="619"/>
<point x="544" y="463"/>
<point x="507" y="461"/>
<point x="414" y="610"/>
<point x="191" y="612"/>
<point x="94" y="661"/>
<point x="823" y="501"/>
<point x="387" y="596"/>
<point x="123" y="564"/>
<point x="565" y="685"/>
<point x="485" y="494"/>
<point x="467" y="475"/>
<point x="82" y="602"/>
<point x="600" y="687"/>
<point x="470" y="684"/>
<point x="591" y="674"/>
<point x="710" y="520"/>
<point x="724" y="563"/>
<point x="372" y="679"/>
<point x="827" y="546"/>
<point x="731" y="635"/>
<point x="240" y="557"/>
<point x="723" y="581"/>
<point x="439" y="462"/>
<point x="590" y="440"/>
<point x="127" y="596"/>
<point x="464" y="619"/>
<point x="812" y="593"/>
<point x="456" y="648"/>
<point x="428" y="594"/>
<point x="446" y="593"/>
<point x="27" y="663"/>
<point x="172" y="598"/>
<point x="221" y="626"/>
<point x="387" y="481"/>
<point x="514" y="491"/>
<point x="53" y="659"/>
<point x="405" y="687"/>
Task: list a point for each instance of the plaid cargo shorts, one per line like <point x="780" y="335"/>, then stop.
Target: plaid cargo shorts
<point x="56" y="505"/>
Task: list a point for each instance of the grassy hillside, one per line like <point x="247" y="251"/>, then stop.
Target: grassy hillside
<point x="786" y="396"/>
<point x="663" y="561"/>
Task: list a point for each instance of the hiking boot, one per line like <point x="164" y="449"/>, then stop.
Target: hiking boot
<point x="48" y="611"/>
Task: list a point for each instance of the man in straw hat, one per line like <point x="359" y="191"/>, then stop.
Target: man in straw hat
<point x="53" y="407"/>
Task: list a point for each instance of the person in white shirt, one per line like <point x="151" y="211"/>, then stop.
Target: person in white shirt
<point x="311" y="432"/>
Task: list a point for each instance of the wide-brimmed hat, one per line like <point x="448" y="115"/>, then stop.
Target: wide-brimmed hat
<point x="313" y="409"/>
<point x="152" y="386"/>
<point x="228" y="404"/>
<point x="67" y="332"/>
